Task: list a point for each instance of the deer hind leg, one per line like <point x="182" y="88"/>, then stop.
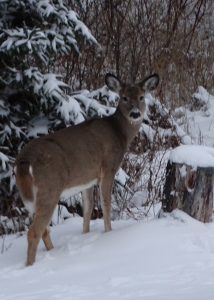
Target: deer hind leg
<point x="38" y="229"/>
<point x="47" y="239"/>
<point x="105" y="194"/>
<point x="88" y="204"/>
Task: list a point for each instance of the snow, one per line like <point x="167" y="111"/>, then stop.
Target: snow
<point x="197" y="118"/>
<point x="3" y="160"/>
<point x="60" y="35"/>
<point x="121" y="176"/>
<point x="80" y="26"/>
<point x="162" y="132"/>
<point x="70" y="110"/>
<point x="193" y="155"/>
<point x="92" y="104"/>
<point x="139" y="199"/>
<point x="202" y="95"/>
<point x="52" y="85"/>
<point x="37" y="126"/>
<point x="110" y="97"/>
<point x="4" y="112"/>
<point x="168" y="258"/>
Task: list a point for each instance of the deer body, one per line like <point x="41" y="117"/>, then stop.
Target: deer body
<point x="75" y="159"/>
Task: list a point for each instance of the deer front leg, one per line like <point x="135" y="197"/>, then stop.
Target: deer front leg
<point x="88" y="204"/>
<point x="105" y="194"/>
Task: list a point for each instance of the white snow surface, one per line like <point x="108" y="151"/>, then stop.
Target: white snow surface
<point x="164" y="259"/>
<point x="193" y="155"/>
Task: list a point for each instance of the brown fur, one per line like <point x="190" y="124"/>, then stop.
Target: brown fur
<point x="77" y="155"/>
<point x="24" y="180"/>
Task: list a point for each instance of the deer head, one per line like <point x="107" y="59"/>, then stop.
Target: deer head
<point x="132" y="97"/>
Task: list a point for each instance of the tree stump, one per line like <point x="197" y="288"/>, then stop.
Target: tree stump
<point x="190" y="181"/>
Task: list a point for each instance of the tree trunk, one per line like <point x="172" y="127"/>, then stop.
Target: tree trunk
<point x="190" y="190"/>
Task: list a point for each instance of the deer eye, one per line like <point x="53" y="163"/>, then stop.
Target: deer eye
<point x="125" y="99"/>
<point x="141" y="98"/>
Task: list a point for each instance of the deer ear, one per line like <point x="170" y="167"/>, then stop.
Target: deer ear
<point x="112" y="82"/>
<point x="149" y="83"/>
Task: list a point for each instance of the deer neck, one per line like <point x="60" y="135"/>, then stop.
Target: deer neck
<point x="127" y="129"/>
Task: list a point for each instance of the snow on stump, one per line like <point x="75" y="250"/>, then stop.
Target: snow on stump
<point x="189" y="181"/>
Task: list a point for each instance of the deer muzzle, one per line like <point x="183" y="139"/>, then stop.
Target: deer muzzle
<point x="135" y="114"/>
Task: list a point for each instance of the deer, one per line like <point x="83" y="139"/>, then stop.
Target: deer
<point x="76" y="158"/>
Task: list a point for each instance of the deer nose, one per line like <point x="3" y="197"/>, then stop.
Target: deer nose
<point x="135" y="115"/>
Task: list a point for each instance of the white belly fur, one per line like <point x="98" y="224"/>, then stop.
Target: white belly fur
<point x="75" y="190"/>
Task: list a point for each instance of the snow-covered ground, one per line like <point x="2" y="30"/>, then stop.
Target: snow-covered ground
<point x="167" y="258"/>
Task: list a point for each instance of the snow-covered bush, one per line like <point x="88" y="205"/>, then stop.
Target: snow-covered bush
<point x="33" y="99"/>
<point x="196" y="117"/>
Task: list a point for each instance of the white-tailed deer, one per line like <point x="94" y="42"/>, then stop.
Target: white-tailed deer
<point x="77" y="158"/>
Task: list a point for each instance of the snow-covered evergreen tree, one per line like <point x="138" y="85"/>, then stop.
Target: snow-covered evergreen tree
<point x="33" y="99"/>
